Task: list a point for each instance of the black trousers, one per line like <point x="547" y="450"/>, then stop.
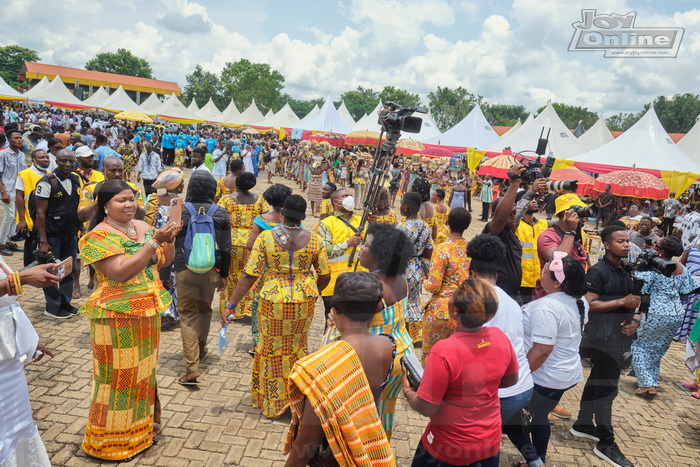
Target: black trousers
<point x="468" y="197"/>
<point x="601" y="387"/>
<point x="168" y="156"/>
<point x="148" y="187"/>
<point x="485" y="208"/>
<point x="667" y="225"/>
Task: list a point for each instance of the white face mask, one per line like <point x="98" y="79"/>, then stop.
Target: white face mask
<point x="349" y="203"/>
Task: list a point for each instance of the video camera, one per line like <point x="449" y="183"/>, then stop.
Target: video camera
<point x="648" y="260"/>
<point x="398" y="117"/>
<point x="535" y="169"/>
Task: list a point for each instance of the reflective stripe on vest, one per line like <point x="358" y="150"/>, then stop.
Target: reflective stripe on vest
<point x="527" y="234"/>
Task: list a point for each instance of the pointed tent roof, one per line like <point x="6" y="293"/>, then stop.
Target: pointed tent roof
<point x="562" y="143"/>
<point x="230" y="114"/>
<point x="251" y="115"/>
<point x="269" y="114"/>
<point x="98" y="98"/>
<point x="285" y="118"/>
<point x="210" y="112"/>
<point x="690" y="144"/>
<point x="37" y="88"/>
<point x="120" y="101"/>
<point x="646" y="146"/>
<point x="472" y="132"/>
<point x="596" y="136"/>
<point x="345" y="114"/>
<point x="310" y="115"/>
<point x="7" y="93"/>
<point x="56" y="94"/>
<point x="172" y="109"/>
<point x="579" y="129"/>
<point x="193" y="106"/>
<point x="369" y="121"/>
<point x="428" y="129"/>
<point x="513" y="129"/>
<point x="327" y="119"/>
<point x="151" y="103"/>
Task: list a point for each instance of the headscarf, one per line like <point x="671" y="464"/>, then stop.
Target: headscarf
<point x="557" y="266"/>
<point x="170" y="179"/>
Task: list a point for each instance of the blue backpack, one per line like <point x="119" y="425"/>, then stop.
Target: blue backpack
<point x="200" y="240"/>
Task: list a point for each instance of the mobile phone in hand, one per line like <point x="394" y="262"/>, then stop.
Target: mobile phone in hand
<point x="63" y="268"/>
<point x="176" y="210"/>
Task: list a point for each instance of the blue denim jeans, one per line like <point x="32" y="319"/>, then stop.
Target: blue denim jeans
<point x="511" y="406"/>
<point x="62" y="248"/>
<point x="423" y="458"/>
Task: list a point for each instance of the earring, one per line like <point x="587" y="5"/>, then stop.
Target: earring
<point x="106" y="211"/>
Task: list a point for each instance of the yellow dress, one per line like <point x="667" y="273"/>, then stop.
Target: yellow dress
<point x="388" y="218"/>
<point x="449" y="269"/>
<point x="242" y="217"/>
<point x="222" y="190"/>
<point x="285" y="312"/>
<point x="440" y="221"/>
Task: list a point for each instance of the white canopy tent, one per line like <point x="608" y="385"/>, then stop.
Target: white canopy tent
<point x="473" y="131"/>
<point x="98" y="98"/>
<point x="285" y="118"/>
<point x="369" y="121"/>
<point x="269" y="114"/>
<point x="210" y="112"/>
<point x="345" y="114"/>
<point x="6" y="92"/>
<point x="562" y="143"/>
<point x="193" y="107"/>
<point x="56" y="94"/>
<point x="309" y="115"/>
<point x="150" y="104"/>
<point x="327" y="119"/>
<point x="251" y="115"/>
<point x="37" y="88"/>
<point x="428" y="129"/>
<point x="596" y="136"/>
<point x="513" y="129"/>
<point x="690" y="144"/>
<point x="230" y="115"/>
<point x="120" y="101"/>
<point x="172" y="109"/>
<point x="645" y="146"/>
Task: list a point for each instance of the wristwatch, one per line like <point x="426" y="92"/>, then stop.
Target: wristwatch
<point x="570" y="232"/>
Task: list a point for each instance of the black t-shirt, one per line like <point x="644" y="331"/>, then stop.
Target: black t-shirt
<point x="610" y="283"/>
<point x="510" y="270"/>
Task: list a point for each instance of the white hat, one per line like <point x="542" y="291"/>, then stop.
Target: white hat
<point x="84" y="151"/>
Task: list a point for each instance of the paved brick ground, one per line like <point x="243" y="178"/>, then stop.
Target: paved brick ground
<point x="214" y="424"/>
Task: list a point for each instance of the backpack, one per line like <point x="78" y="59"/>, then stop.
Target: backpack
<point x="31" y="202"/>
<point x="267" y="157"/>
<point x="200" y="243"/>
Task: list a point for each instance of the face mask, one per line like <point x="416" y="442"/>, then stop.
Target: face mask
<point x="349" y="203"/>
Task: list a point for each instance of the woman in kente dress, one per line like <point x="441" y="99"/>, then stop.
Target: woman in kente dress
<point x="288" y="255"/>
<point x="242" y="207"/>
<point x="437" y="197"/>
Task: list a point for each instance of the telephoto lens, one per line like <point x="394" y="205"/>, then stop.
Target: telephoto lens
<point x="561" y="185"/>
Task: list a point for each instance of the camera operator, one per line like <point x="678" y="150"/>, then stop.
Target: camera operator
<point x="505" y="221"/>
<point x="612" y="325"/>
<point x="565" y="235"/>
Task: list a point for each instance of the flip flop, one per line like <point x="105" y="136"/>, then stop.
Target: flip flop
<point x="695" y="394"/>
<point x="188" y="382"/>
<point x="690" y="386"/>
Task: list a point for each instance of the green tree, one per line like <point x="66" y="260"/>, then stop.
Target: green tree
<point x="398" y="96"/>
<point x="202" y="86"/>
<point x="449" y="106"/>
<point x="360" y="101"/>
<point x="122" y="62"/>
<point x="12" y="57"/>
<point x="503" y="114"/>
<point x="571" y="115"/>
<point x="622" y="121"/>
<point x="677" y="114"/>
<point x="301" y="107"/>
<point x="244" y="81"/>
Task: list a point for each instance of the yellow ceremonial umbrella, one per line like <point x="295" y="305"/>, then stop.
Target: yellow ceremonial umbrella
<point x="134" y="116"/>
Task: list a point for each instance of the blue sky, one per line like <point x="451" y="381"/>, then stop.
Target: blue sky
<point x="509" y="51"/>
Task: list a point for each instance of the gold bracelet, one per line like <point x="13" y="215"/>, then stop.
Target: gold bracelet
<point x="18" y="283"/>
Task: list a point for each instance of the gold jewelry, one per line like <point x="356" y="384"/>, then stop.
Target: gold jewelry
<point x="153" y="244"/>
<point x="129" y="231"/>
<point x="18" y="283"/>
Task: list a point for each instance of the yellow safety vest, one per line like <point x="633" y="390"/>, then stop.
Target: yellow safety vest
<point x="527" y="234"/>
<point x="30" y="179"/>
<point x="341" y="232"/>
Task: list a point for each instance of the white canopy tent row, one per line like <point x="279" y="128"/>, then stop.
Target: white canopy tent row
<point x="120" y="101"/>
<point x="690" y="143"/>
<point x="210" y="112"/>
<point x="370" y="121"/>
<point x="596" y="136"/>
<point x="151" y="103"/>
<point x="562" y="143"/>
<point x="646" y="145"/>
<point x="230" y="114"/>
<point x="309" y="115"/>
<point x="193" y="107"/>
<point x="345" y="114"/>
<point x="285" y="118"/>
<point x="249" y="116"/>
<point x="473" y="131"/>
<point x="327" y="119"/>
<point x="513" y="129"/>
<point x="7" y="93"/>
<point x="173" y="110"/>
<point x="98" y="98"/>
<point x="54" y="93"/>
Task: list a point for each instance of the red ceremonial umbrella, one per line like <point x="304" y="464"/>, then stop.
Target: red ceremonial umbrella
<point x="362" y="138"/>
<point x="585" y="181"/>
<point x="436" y="151"/>
<point x="498" y="166"/>
<point x="334" y="139"/>
<point x="408" y="146"/>
<point x="632" y="183"/>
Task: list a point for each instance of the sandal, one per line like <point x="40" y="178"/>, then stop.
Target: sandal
<point x="188" y="382"/>
<point x="695" y="394"/>
<point x="690" y="386"/>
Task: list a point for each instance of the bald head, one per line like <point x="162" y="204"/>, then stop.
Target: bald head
<point x="113" y="168"/>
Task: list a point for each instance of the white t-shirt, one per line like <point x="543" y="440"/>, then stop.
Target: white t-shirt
<point x="201" y="167"/>
<point x="555" y="320"/>
<point x="509" y="319"/>
<point x="43" y="188"/>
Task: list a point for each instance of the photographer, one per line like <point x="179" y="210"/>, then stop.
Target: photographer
<point x="503" y="225"/>
<point x="664" y="317"/>
<point x="610" y="330"/>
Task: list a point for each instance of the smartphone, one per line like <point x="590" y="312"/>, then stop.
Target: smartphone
<point x="414" y="370"/>
<point x="63" y="268"/>
<point x="176" y="210"/>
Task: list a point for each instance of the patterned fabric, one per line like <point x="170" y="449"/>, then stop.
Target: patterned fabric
<point x="284" y="315"/>
<point x="326" y="207"/>
<point x="141" y="296"/>
<point x="388" y="218"/>
<point x="334" y="383"/>
<point x="128" y="158"/>
<point x="242" y="217"/>
<point x="419" y="233"/>
<point x="315" y="186"/>
<point x="179" y="157"/>
<point x="434" y="330"/>
<point x="693" y="266"/>
<point x="222" y="190"/>
<point x="654" y="337"/>
<point x="443" y="231"/>
<point x="124" y="395"/>
<point x="263" y="225"/>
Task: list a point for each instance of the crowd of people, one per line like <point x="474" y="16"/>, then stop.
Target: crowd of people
<point x="500" y="322"/>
